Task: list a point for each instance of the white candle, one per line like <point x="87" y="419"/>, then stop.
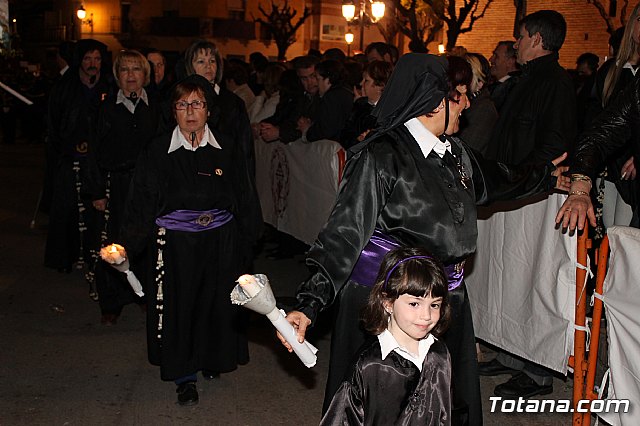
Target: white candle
<point x="249" y="285"/>
<point x="254" y="292"/>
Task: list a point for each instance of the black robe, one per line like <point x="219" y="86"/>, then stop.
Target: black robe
<point x="201" y="328"/>
<point x="72" y="116"/>
<point x="113" y="154"/>
<point x="394" y="391"/>
<point x="229" y="116"/>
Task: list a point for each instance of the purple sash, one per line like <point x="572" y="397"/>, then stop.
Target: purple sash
<point x="194" y="220"/>
<point x="366" y="269"/>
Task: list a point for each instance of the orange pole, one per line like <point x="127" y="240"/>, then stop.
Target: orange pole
<point x="590" y="394"/>
<point x="579" y="346"/>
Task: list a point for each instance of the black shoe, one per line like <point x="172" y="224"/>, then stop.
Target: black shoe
<point x="187" y="393"/>
<point x="523" y="386"/>
<point x="494" y="368"/>
<point x="210" y="374"/>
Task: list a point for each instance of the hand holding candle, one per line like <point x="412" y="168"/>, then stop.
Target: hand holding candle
<point x="116" y="256"/>
<point x="254" y="292"/>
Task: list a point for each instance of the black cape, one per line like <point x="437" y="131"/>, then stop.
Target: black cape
<point x="394" y="391"/>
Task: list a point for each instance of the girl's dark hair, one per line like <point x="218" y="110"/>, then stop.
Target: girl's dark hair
<point x="333" y="70"/>
<point x="417" y="277"/>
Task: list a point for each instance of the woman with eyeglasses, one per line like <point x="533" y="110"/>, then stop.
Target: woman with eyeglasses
<point x="194" y="203"/>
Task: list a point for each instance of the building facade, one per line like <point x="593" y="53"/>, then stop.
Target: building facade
<point x="171" y="25"/>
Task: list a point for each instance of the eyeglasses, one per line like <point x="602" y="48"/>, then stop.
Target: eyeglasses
<point x="183" y="105"/>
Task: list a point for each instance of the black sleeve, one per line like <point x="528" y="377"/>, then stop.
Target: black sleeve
<point x="143" y="201"/>
<point x="496" y="181"/>
<point x="610" y="132"/>
<point x="335" y="252"/>
<point x="96" y="180"/>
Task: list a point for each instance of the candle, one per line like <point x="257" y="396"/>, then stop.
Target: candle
<point x="254" y="292"/>
<point x="114" y="254"/>
<point x="249" y="285"/>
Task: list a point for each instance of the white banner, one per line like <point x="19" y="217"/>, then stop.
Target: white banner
<point x="621" y="297"/>
<point x="297" y="184"/>
<point x="522" y="283"/>
<point x="4" y="24"/>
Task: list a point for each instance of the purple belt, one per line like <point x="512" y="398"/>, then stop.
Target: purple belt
<point x="194" y="220"/>
<point x="366" y="269"/>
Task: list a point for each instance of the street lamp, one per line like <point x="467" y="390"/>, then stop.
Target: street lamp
<point x="81" y="13"/>
<point x="348" y="37"/>
<point x="364" y="17"/>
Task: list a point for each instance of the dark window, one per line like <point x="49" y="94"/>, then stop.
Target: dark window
<point x="125" y="25"/>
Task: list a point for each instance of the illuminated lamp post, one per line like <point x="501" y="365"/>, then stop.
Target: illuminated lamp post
<point x="364" y="18"/>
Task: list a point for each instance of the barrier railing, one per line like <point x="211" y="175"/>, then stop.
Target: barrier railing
<point x="297" y="184"/>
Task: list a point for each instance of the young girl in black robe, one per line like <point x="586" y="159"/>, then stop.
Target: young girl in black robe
<point x="403" y="375"/>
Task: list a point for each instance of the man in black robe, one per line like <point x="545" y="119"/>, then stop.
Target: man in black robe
<point x="73" y="107"/>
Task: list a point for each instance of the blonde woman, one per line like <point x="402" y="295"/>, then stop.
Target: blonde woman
<point x="616" y="186"/>
<point x="478" y="121"/>
<point x="127" y="123"/>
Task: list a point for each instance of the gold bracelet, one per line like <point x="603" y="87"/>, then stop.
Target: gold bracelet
<point x="578" y="193"/>
<point x="576" y="177"/>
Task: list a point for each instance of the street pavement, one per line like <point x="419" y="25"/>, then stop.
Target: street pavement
<point x="60" y="366"/>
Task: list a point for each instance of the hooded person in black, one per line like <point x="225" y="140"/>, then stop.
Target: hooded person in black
<point x="405" y="187"/>
<point x="72" y="116"/>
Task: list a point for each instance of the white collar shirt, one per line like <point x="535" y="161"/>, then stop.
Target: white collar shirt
<point x="426" y="140"/>
<point x="179" y="141"/>
<point x="130" y="106"/>
<point x="389" y="343"/>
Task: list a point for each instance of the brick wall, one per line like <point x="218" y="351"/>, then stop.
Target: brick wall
<point x="586" y="30"/>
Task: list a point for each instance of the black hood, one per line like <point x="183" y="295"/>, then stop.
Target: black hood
<point x="417" y="86"/>
<point x="88" y="45"/>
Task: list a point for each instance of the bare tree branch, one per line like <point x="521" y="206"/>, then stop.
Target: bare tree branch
<point x="279" y="23"/>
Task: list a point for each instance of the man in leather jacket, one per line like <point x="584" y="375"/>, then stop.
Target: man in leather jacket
<point x="537" y="123"/>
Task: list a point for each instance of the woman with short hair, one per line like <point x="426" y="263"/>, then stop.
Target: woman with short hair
<point x="127" y="123"/>
<point x="194" y="204"/>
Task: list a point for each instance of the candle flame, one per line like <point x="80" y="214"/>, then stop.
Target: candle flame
<point x="113" y="249"/>
<point x="245" y="279"/>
